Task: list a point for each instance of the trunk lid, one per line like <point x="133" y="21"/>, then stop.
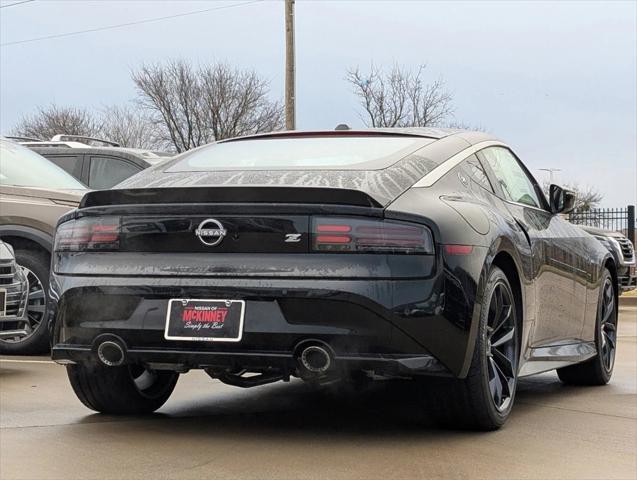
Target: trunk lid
<point x="221" y="219"/>
<point x="215" y="234"/>
<point x="266" y="233"/>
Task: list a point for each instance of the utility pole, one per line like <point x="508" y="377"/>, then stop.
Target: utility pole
<point x="290" y="70"/>
<point x="551" y="171"/>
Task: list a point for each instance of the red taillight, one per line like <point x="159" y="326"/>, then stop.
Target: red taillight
<point x="105" y="233"/>
<point x="333" y="228"/>
<point x="99" y="233"/>
<point x="458" y="249"/>
<point x="350" y="234"/>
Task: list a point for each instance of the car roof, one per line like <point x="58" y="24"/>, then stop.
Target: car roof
<point x="139" y="156"/>
<point x="471" y="136"/>
<point x="382" y="184"/>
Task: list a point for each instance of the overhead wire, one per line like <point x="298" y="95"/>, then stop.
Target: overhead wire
<point x="127" y="24"/>
<point x="16" y="3"/>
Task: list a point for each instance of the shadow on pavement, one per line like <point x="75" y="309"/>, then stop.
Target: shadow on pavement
<point x="384" y="410"/>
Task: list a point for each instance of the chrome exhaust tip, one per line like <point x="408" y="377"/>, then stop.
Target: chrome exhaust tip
<point x="315" y="359"/>
<point x="111" y="353"/>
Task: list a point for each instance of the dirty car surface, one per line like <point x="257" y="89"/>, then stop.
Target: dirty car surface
<point x="331" y="256"/>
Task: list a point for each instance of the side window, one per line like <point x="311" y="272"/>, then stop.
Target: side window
<point x="106" y="172"/>
<point x="475" y="170"/>
<point x="512" y="179"/>
<point x="70" y="163"/>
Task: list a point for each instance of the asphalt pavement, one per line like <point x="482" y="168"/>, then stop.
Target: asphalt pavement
<point x="290" y="431"/>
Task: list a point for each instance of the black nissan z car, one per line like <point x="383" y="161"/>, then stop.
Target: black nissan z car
<point x="332" y="256"/>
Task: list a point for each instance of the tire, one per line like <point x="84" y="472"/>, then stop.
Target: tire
<point x="37" y="342"/>
<point x="473" y="402"/>
<point x="599" y="369"/>
<point x="114" y="390"/>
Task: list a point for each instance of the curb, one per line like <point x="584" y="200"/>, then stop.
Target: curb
<point x="628" y="301"/>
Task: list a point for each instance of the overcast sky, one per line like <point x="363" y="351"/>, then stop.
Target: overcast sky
<point x="556" y="80"/>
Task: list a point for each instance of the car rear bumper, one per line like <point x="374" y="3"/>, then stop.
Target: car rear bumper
<point x="396" y="327"/>
<point x="184" y="359"/>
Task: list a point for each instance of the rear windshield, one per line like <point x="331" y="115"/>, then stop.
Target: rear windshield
<point x="320" y="153"/>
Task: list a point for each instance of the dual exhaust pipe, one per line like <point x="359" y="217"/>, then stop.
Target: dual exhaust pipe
<point x="314" y="359"/>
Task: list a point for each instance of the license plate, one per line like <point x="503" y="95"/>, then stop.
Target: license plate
<point x="3" y="302"/>
<point x="202" y="320"/>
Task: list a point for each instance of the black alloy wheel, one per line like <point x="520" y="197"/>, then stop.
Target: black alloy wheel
<point x="608" y="326"/>
<point x="599" y="369"/>
<point x="484" y="399"/>
<point x="502" y="351"/>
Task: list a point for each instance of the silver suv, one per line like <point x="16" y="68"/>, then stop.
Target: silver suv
<point x="623" y="251"/>
<point x="99" y="164"/>
<point x="14" y="289"/>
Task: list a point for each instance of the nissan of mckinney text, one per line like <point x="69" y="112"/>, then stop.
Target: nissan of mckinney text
<point x="336" y="256"/>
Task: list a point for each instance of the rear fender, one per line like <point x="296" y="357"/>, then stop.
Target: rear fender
<point x="500" y="245"/>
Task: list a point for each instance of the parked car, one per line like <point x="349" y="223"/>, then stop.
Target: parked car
<point x="332" y="256"/>
<point x="14" y="290"/>
<point x="623" y="252"/>
<point x="98" y="167"/>
<point x="34" y="193"/>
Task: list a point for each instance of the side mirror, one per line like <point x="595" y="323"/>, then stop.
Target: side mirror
<point x="562" y="200"/>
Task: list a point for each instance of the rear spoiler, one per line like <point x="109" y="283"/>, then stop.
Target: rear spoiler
<point x="317" y="195"/>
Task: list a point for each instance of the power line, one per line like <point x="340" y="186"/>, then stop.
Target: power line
<point x="16" y="3"/>
<point x="128" y="24"/>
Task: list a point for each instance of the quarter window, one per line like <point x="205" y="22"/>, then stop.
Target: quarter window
<point x="72" y="164"/>
<point x="106" y="172"/>
<point x="475" y="170"/>
<point x="512" y="179"/>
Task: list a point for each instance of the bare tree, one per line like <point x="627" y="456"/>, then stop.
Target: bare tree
<point x="587" y="197"/>
<point x="170" y="94"/>
<point x="401" y="98"/>
<point x="130" y="127"/>
<point x="194" y="106"/>
<point x="236" y="102"/>
<point x="54" y="119"/>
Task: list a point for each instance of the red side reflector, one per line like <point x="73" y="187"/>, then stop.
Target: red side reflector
<point x="458" y="249"/>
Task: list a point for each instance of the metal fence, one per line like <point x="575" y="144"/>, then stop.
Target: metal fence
<point x="618" y="219"/>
